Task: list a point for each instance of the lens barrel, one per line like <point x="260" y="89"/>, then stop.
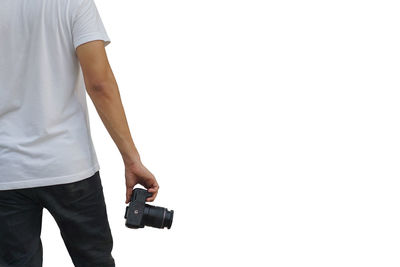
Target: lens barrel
<point x="157" y="217"/>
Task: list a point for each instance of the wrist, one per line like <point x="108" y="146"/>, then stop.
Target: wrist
<point x="131" y="160"/>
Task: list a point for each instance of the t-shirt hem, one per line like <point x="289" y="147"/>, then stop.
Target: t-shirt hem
<point x="51" y="181"/>
<point x="92" y="37"/>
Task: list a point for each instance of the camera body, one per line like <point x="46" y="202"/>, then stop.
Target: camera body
<point x="139" y="214"/>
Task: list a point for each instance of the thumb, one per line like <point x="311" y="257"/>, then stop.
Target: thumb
<point x="128" y="194"/>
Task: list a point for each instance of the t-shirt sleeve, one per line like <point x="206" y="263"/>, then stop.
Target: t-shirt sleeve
<point x="87" y="24"/>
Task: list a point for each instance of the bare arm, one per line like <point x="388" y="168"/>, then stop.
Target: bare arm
<point x="103" y="90"/>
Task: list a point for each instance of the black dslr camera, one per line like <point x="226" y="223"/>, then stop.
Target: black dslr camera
<point x="139" y="214"/>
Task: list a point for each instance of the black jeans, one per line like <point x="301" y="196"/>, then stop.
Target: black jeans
<point x="80" y="212"/>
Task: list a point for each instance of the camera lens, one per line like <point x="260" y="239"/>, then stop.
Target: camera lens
<point x="157" y="216"/>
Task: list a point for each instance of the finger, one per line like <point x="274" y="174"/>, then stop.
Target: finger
<point x="151" y="182"/>
<point x="154" y="188"/>
<point x="152" y="198"/>
<point x="154" y="191"/>
<point x="128" y="194"/>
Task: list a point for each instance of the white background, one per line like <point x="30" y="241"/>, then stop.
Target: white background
<point x="271" y="126"/>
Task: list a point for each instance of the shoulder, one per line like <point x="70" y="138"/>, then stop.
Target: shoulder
<point x="77" y="5"/>
<point x="73" y="6"/>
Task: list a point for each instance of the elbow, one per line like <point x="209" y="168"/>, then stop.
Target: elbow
<point x="102" y="85"/>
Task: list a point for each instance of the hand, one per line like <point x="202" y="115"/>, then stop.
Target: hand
<point x="137" y="173"/>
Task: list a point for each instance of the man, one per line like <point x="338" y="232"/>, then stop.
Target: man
<point x="51" y="53"/>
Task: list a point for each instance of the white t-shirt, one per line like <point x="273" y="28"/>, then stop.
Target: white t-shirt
<point x="45" y="135"/>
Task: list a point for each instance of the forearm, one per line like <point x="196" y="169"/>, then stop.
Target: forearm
<point x="107" y="101"/>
